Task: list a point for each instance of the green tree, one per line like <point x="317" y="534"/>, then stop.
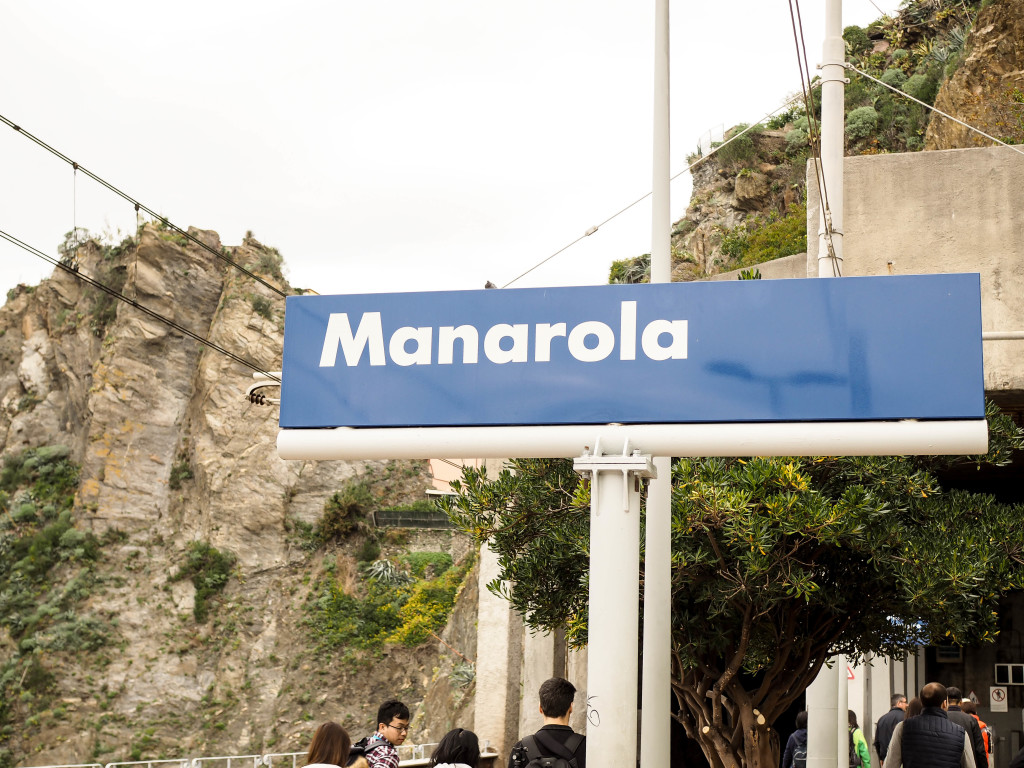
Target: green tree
<point x="777" y="565"/>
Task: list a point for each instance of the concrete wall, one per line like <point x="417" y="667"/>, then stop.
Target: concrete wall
<point x="786" y="268"/>
<point x="958" y="210"/>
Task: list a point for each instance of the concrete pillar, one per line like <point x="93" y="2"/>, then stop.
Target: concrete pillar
<point x="538" y="665"/>
<point x="498" y="664"/>
<point x="823" y="715"/>
<point x="576" y="673"/>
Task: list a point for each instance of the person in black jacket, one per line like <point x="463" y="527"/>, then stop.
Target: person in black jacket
<point x="930" y="740"/>
<point x="556" y="738"/>
<point x="969" y="724"/>
<point x="797" y="744"/>
<point x="887" y="724"/>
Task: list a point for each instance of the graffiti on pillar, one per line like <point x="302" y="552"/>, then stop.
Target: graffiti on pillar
<point x="593" y="716"/>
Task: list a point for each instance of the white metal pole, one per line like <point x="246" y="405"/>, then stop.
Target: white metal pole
<point x="830" y="249"/>
<point x="614" y="614"/>
<point x="661" y="246"/>
<point x="655" y="723"/>
<point x="842" y="713"/>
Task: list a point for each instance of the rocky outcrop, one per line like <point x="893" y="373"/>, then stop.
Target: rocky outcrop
<point x="987" y="90"/>
<point x="727" y="196"/>
<point x="172" y="453"/>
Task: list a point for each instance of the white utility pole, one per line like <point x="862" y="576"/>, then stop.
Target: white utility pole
<point x="614" y="617"/>
<point x="656" y="718"/>
<point x="827" y="695"/>
<point x="833" y="88"/>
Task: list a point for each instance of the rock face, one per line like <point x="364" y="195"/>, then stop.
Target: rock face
<point x="731" y="195"/>
<point x="172" y="453"/>
<point x="987" y="91"/>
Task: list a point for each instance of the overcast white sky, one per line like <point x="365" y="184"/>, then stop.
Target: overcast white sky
<point x="384" y="145"/>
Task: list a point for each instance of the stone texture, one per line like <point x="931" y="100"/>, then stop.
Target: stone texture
<point x="987" y="90"/>
<point x="752" y="190"/>
<point x="133" y="399"/>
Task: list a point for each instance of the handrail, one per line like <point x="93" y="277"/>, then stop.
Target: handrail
<point x="416" y="755"/>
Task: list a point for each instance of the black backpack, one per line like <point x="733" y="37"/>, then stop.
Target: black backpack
<point x="799" y="756"/>
<point x="855" y="761"/>
<point x="362" y="748"/>
<point x="532" y="752"/>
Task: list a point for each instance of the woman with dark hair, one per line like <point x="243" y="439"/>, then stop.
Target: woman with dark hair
<point x="458" y="748"/>
<point x="795" y="755"/>
<point x="859" y="755"/>
<point x="914" y="707"/>
<point x="331" y="746"/>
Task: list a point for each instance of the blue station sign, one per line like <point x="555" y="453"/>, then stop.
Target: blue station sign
<point x="848" y="349"/>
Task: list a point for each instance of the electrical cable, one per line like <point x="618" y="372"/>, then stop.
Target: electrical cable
<point x="935" y="109"/>
<point x="687" y="169"/>
<point x="813" y="130"/>
<point x="138" y="205"/>
<point x="146" y="310"/>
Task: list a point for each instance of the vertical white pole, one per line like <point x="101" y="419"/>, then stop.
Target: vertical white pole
<point x="827" y="696"/>
<point x="842" y="714"/>
<point x="832" y="125"/>
<point x="614" y="617"/>
<point x="613" y="620"/>
<point x="661" y="224"/>
<point x="655" y="724"/>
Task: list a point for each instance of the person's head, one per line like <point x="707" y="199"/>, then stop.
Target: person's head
<point x="801" y="720"/>
<point x="851" y="716"/>
<point x="393" y="721"/>
<point x="933" y="695"/>
<point x="969" y="706"/>
<point x="457" y="746"/>
<point x="331" y="744"/>
<point x="953" y="696"/>
<point x="914" y="707"/>
<point x="898" y="700"/>
<point x="556" y="697"/>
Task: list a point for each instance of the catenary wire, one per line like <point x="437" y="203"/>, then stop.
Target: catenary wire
<point x="146" y="310"/>
<point x="813" y="130"/>
<point x="592" y="230"/>
<point x="935" y="109"/>
<point x="138" y="206"/>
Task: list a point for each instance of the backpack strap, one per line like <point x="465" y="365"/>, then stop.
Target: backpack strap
<point x="566" y="750"/>
<point x="532" y="750"/>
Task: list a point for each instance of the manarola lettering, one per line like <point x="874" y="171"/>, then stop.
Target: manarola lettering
<point x="588" y="342"/>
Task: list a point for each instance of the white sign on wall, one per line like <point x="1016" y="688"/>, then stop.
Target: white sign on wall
<point x="997" y="698"/>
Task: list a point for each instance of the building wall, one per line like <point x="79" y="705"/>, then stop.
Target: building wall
<point x="957" y="210"/>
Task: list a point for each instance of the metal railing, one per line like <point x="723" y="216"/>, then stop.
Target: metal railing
<point x="408" y="754"/>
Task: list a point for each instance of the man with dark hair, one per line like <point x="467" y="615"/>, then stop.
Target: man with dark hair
<point x="392" y="728"/>
<point x="555" y="739"/>
<point x="930" y="740"/>
<point x="969" y="724"/>
<point x="887" y="724"/>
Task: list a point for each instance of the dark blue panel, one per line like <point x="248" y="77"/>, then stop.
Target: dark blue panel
<point x="855" y="348"/>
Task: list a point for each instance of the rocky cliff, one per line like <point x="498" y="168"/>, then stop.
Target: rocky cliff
<point x="161" y="570"/>
<point x="987" y="89"/>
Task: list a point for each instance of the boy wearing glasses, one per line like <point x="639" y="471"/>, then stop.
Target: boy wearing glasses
<point x="392" y="728"/>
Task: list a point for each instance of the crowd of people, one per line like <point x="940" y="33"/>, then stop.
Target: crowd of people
<point x="332" y="747"/>
<point x="937" y="729"/>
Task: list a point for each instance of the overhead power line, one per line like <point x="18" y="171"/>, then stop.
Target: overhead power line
<point x="132" y="302"/>
<point x="139" y="206"/>
<point x="687" y="169"/>
<point x="813" y="129"/>
<point x="906" y="95"/>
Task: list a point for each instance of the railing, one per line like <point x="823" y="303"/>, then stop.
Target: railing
<point x="199" y="762"/>
<point x="409" y="755"/>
